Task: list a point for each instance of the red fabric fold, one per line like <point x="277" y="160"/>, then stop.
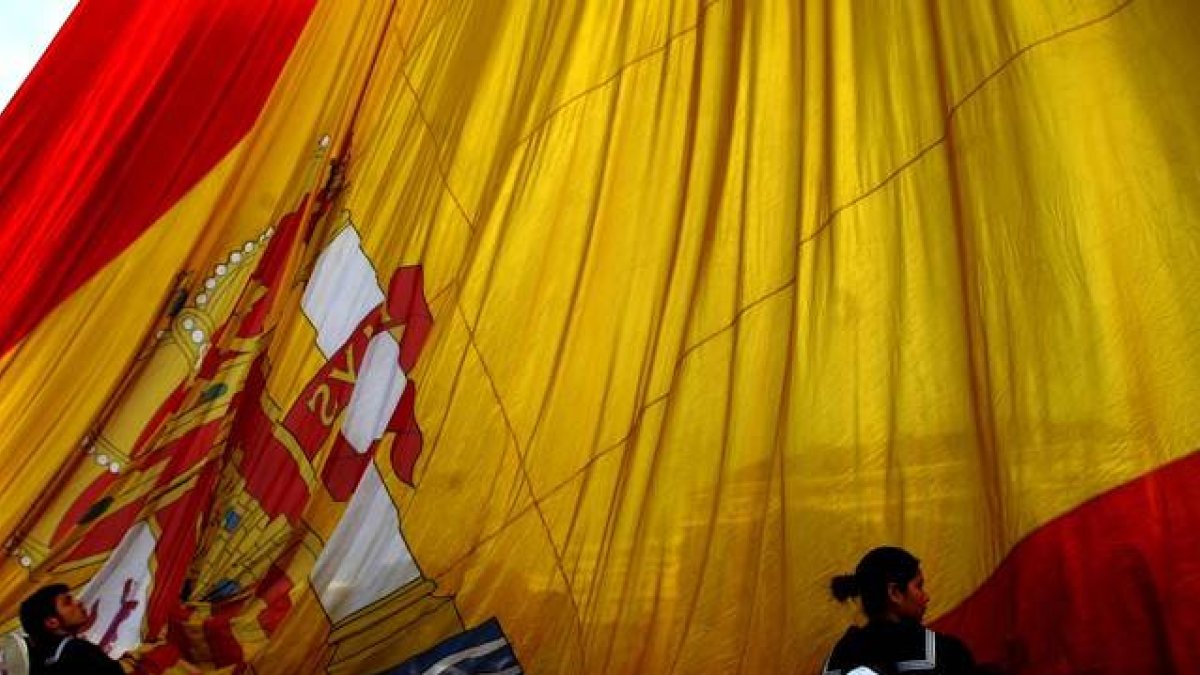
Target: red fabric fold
<point x="131" y="105"/>
<point x="1109" y="587"/>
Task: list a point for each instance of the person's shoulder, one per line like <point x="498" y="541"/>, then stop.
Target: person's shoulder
<point x="951" y="643"/>
<point x="852" y="637"/>
<point x="80" y="651"/>
<point x="846" y="650"/>
<point x="953" y="652"/>
<point x="83" y="644"/>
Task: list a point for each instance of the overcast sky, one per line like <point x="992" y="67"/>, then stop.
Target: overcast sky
<point x="26" y="28"/>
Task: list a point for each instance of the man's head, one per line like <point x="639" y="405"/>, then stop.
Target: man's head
<point x="52" y="610"/>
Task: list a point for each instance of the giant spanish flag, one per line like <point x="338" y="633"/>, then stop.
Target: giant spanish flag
<point x="594" y="337"/>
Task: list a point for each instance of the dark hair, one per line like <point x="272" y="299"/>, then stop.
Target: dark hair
<point x="39" y="607"/>
<point x="879" y="568"/>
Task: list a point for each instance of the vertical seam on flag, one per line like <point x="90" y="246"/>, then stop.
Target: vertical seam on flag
<point x="952" y="112"/>
<point x="484" y="540"/>
<point x="546" y="119"/>
<point x="633" y="428"/>
<point x="419" y="104"/>
<point x="429" y="453"/>
<point x="614" y="77"/>
<point x="434" y="23"/>
<point x="525" y="478"/>
<point x="471" y="225"/>
<point x="899" y="170"/>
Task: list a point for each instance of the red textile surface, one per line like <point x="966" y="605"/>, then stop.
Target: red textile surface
<point x="130" y="106"/>
<point x="1110" y="587"/>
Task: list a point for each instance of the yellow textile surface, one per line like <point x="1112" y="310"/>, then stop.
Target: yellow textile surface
<point x="734" y="291"/>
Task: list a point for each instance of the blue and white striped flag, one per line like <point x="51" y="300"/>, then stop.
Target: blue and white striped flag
<point x="483" y="649"/>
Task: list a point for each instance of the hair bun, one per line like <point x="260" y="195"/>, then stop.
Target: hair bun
<point x="844" y="587"/>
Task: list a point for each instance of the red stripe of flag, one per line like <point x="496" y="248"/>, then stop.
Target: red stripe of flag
<point x="1109" y="587"/>
<point x="132" y="104"/>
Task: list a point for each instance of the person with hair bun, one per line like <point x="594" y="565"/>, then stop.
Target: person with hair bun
<point x="889" y="584"/>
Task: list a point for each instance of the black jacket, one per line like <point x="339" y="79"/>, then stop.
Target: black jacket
<point x="71" y="656"/>
<point x="905" y="647"/>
